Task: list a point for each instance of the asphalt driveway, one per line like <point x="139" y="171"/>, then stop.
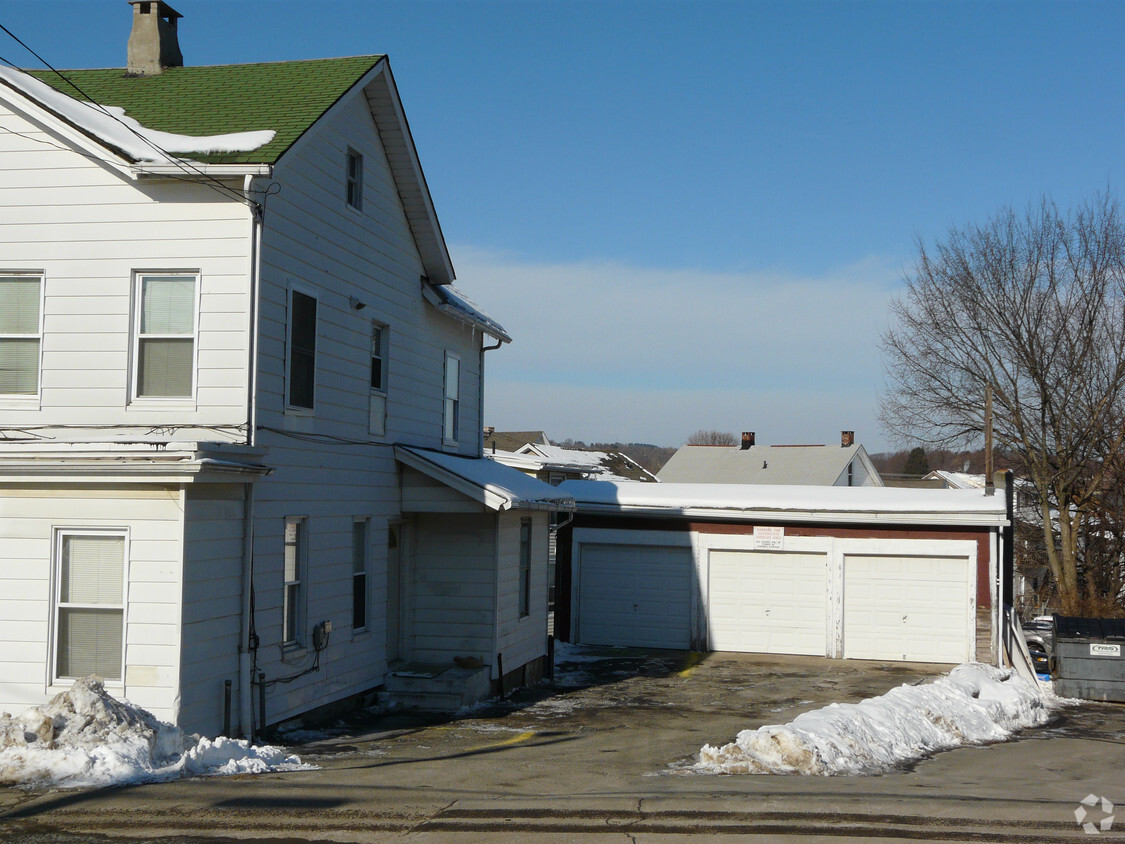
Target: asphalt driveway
<point x="600" y="755"/>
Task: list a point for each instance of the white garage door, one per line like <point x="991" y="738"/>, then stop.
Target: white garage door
<point x="768" y="602"/>
<point x="635" y="595"/>
<point x="906" y="608"/>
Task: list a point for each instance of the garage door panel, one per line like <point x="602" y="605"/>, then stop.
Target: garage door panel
<point x="906" y="608"/>
<point x="635" y="595"/>
<point x="767" y="602"/>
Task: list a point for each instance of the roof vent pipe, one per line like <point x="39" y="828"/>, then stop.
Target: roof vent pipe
<point x="847" y="439"/>
<point x="747" y="440"/>
<point x="154" y="44"/>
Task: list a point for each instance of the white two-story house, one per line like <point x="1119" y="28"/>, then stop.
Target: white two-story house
<point x="240" y="401"/>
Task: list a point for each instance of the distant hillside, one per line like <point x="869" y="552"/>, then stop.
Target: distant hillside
<point x="893" y="464"/>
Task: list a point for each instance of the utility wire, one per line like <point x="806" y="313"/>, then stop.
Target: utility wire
<point x="183" y="164"/>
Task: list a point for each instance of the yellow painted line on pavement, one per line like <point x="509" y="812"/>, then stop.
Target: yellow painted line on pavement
<point x="693" y="660"/>
<point x="516" y="739"/>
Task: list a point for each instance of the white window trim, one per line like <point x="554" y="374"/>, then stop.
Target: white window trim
<point x="445" y="398"/>
<point x="313" y="293"/>
<point x="28" y="401"/>
<point x="135" y="340"/>
<point x="53" y="679"/>
<point x="378" y="427"/>
<point x="302" y="583"/>
<point x="365" y="573"/>
<point x="356" y="208"/>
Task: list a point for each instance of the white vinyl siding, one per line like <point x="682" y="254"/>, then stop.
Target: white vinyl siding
<point x="20" y="334"/>
<point x="165" y="340"/>
<point x="452" y="410"/>
<point x="85" y="229"/>
<point x="90" y="605"/>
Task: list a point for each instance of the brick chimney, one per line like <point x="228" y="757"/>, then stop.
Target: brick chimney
<point x="847" y="439"/>
<point x="747" y="440"/>
<point x="154" y="44"/>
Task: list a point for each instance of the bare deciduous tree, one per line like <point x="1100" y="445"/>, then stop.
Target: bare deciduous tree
<point x="702" y="437"/>
<point x="1034" y="304"/>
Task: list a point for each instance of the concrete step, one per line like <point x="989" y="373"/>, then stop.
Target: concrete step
<point x="440" y="688"/>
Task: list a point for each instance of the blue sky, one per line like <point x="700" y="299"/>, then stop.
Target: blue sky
<point x="692" y="215"/>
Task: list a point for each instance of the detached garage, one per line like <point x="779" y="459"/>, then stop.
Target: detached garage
<point x="855" y="573"/>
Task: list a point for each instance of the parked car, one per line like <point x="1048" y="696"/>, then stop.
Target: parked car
<point x="1040" y="631"/>
<point x="1040" y="659"/>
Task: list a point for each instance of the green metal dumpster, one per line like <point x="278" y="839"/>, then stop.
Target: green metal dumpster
<point x="1090" y="658"/>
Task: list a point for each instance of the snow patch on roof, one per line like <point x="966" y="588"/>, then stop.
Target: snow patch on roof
<point x="457" y="301"/>
<point x="760" y="497"/>
<point x="86" y="738"/>
<point x="974" y="704"/>
<point x="111" y="126"/>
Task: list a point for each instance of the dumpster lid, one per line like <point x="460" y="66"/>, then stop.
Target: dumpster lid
<point x="1074" y="627"/>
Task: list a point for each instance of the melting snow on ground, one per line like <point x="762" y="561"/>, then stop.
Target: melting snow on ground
<point x="973" y="704"/>
<point x="86" y="738"/>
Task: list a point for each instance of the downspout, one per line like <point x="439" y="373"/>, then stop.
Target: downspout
<point x="245" y="646"/>
<point x="480" y="399"/>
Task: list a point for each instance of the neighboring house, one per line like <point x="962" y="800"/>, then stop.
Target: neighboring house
<point x="512" y="440"/>
<point x="955" y="480"/>
<point x="870" y="573"/>
<point x="809" y="465"/>
<point x="240" y="402"/>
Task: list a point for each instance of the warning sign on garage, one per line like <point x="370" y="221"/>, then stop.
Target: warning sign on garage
<point x="769" y="538"/>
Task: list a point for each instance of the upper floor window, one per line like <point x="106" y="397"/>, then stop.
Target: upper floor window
<point x="89" y="604"/>
<point x="380" y="346"/>
<point x="452" y="398"/>
<point x="165" y="343"/>
<point x="302" y="349"/>
<point x="20" y="297"/>
<point x="355" y="180"/>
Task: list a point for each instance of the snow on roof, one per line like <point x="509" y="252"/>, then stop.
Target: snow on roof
<point x="759" y="464"/>
<point x="460" y="306"/>
<point x="111" y="126"/>
<point x="493" y="484"/>
<point x="788" y="502"/>
<point x="84" y="737"/>
<point x="974" y="704"/>
<point x="957" y="480"/>
<point x="606" y="465"/>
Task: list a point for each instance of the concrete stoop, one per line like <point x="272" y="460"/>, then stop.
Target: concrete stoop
<point x="436" y="688"/>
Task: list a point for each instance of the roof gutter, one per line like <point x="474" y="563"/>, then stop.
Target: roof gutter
<point x="157" y="169"/>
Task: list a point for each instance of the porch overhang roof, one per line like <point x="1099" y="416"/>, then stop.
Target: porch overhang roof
<point x="496" y="486"/>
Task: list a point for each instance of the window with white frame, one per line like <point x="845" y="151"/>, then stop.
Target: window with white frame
<point x="293" y="600"/>
<point x="302" y="350"/>
<point x="355" y="180"/>
<point x="359" y="574"/>
<point x="525" y="567"/>
<point x="20" y="334"/>
<point x="165" y="328"/>
<point x="380" y="346"/>
<point x="89" y="604"/>
<point x="452" y="398"/>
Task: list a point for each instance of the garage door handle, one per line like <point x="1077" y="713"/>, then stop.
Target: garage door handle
<point x="904" y="619"/>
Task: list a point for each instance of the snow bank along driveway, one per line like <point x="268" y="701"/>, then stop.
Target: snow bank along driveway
<point x="974" y="704"/>
<point x="84" y="737"/>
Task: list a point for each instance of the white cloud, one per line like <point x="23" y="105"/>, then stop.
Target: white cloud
<point x="606" y="351"/>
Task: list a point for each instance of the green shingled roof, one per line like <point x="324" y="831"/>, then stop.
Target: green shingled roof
<point x="287" y="97"/>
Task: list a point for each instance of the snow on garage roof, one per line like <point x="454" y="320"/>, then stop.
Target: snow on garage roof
<point x="496" y="486"/>
<point x="790" y="503"/>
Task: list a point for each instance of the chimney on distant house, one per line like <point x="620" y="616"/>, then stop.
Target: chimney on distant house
<point x="847" y="439"/>
<point x="747" y="440"/>
<point x="154" y="44"/>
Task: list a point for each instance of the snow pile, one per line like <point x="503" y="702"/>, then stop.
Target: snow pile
<point x="974" y="704"/>
<point x="110" y="125"/>
<point x="85" y="737"/>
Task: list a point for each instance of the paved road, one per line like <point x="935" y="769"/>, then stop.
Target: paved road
<point x="600" y="758"/>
